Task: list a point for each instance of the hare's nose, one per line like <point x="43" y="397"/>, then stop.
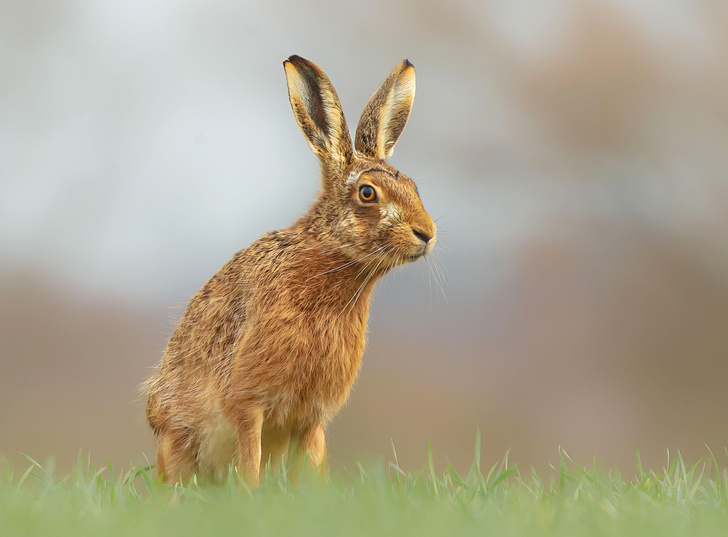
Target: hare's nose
<point x="424" y="237"/>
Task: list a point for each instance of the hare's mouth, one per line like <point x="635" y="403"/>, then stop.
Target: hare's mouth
<point x="415" y="257"/>
<point x="426" y="249"/>
<point x="402" y="258"/>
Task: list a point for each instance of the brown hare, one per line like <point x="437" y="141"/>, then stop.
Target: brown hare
<point x="268" y="349"/>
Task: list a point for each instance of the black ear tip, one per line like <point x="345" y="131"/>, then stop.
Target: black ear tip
<point x="407" y="63"/>
<point x="295" y="59"/>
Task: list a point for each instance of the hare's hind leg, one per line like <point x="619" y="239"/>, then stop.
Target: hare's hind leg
<point x="175" y="459"/>
<point x="250" y="425"/>
<point x="311" y="442"/>
<point x="274" y="444"/>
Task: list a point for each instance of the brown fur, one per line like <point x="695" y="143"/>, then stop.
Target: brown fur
<point x="268" y="349"/>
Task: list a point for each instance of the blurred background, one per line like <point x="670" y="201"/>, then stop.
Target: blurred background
<point x="574" y="152"/>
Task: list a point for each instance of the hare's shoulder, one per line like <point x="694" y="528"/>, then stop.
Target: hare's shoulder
<point x="272" y="248"/>
<point x="222" y="304"/>
<point x="214" y="317"/>
<point x="223" y="298"/>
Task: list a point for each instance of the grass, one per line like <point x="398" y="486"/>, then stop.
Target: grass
<point x="381" y="500"/>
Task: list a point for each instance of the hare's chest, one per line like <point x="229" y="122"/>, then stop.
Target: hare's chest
<point x="310" y="376"/>
<point x="328" y="363"/>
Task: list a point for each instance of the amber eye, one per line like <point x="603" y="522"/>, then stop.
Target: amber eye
<point x="367" y="194"/>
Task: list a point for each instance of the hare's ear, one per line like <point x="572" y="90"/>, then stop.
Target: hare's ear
<point x="318" y="111"/>
<point x="386" y="113"/>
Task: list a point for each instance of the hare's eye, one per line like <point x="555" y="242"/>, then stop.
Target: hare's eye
<point x="367" y="194"/>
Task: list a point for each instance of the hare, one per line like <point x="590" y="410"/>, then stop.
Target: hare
<point x="267" y="351"/>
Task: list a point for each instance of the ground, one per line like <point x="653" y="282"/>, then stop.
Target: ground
<point x="379" y="500"/>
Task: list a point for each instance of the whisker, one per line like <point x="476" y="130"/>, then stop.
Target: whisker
<point x="361" y="286"/>
<point x="429" y="281"/>
<point x="343" y="266"/>
<point x="435" y="272"/>
<point x="369" y="277"/>
<point x="379" y="250"/>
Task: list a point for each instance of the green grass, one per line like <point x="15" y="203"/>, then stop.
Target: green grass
<point x="679" y="500"/>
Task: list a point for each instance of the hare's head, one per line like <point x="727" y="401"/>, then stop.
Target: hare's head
<point x="372" y="210"/>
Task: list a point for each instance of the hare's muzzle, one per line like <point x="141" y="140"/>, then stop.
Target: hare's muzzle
<point x="427" y="239"/>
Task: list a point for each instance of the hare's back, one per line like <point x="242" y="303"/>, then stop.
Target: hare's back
<point x="213" y="321"/>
